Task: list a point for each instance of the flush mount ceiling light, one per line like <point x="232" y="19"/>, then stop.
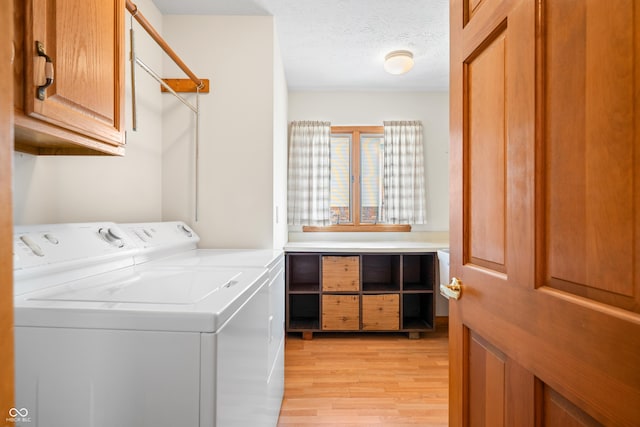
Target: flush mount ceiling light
<point x="398" y="62"/>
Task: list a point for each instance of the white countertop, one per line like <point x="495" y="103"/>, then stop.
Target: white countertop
<point x="365" y="246"/>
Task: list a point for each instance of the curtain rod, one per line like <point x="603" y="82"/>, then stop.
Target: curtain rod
<point x="133" y="9"/>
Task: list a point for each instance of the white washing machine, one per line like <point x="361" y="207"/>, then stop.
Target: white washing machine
<point x="102" y="342"/>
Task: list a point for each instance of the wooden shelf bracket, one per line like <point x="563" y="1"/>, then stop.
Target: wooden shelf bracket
<point x="185" y="85"/>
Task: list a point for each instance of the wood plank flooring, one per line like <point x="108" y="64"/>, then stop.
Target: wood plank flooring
<point x="366" y="380"/>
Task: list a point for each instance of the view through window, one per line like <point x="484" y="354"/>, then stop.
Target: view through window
<point x="356" y="173"/>
<point x="356" y="169"/>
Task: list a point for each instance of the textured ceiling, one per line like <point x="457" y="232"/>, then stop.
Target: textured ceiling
<point x="341" y="44"/>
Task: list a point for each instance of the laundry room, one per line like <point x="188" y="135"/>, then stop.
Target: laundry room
<point x="222" y="172"/>
<point x="240" y="212"/>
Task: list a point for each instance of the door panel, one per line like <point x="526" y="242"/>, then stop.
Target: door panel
<point x="559" y="412"/>
<point x="547" y="329"/>
<point x="486" y="383"/>
<point x="589" y="125"/>
<point x="471" y="6"/>
<point x="485" y="100"/>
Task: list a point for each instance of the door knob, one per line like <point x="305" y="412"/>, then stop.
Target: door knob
<point x="452" y="290"/>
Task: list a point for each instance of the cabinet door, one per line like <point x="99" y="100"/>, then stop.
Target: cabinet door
<point x="84" y="41"/>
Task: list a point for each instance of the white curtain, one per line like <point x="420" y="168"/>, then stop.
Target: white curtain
<point x="403" y="200"/>
<point x="309" y="173"/>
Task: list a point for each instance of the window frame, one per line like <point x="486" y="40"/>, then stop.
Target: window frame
<point x="355" y="156"/>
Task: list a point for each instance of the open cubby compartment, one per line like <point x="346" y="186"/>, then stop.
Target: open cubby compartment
<point x="380" y="272"/>
<point x="418" y="311"/>
<point x="418" y="272"/>
<point x="303" y="272"/>
<point x="304" y="312"/>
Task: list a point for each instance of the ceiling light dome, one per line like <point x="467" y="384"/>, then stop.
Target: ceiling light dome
<point x="398" y="62"/>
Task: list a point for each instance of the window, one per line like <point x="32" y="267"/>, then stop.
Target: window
<point x="356" y="180"/>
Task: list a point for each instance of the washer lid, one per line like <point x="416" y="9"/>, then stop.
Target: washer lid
<point x="168" y="299"/>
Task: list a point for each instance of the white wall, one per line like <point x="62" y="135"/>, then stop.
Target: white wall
<point x="84" y="188"/>
<point x="280" y="134"/>
<point x="236" y="200"/>
<point x="373" y="108"/>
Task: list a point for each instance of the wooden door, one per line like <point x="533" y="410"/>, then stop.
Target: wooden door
<point x="84" y="41"/>
<point x="545" y="212"/>
<point x="6" y="224"/>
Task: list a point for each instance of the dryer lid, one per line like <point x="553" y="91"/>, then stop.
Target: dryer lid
<point x="223" y="258"/>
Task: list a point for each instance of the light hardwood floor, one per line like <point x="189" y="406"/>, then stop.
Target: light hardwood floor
<point x="366" y="380"/>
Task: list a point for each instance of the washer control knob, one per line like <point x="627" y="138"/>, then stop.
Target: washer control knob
<point x="37" y="250"/>
<point x="111" y="236"/>
<point x="51" y="238"/>
<point x="185" y="230"/>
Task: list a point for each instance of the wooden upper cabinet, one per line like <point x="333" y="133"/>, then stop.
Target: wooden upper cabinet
<point x="82" y="111"/>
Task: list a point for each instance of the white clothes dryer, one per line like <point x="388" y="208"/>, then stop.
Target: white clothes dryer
<point x="152" y="237"/>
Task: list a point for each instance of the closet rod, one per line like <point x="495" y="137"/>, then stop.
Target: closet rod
<point x="133" y="9"/>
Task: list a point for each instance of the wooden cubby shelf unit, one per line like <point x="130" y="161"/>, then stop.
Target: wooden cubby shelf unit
<point x="380" y="273"/>
<point x="303" y="273"/>
<point x="360" y="291"/>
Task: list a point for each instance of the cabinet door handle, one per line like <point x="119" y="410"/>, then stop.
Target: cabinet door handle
<point x="48" y="71"/>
